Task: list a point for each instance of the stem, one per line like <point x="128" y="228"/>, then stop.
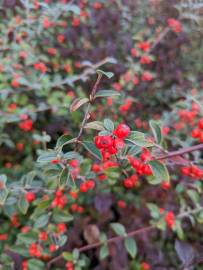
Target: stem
<point x="181" y="152"/>
<point x="92" y="95"/>
<point x="160" y="37"/>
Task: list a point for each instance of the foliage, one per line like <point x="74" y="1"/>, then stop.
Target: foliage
<point x="101" y="134"/>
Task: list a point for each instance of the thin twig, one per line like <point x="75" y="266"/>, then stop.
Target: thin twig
<point x="181" y="152"/>
<point x="92" y="95"/>
<point x="160" y="38"/>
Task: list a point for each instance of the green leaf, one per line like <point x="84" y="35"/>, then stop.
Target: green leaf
<point x="156" y="131"/>
<point x="20" y="249"/>
<point x="74" y="8"/>
<point x="138" y="138"/>
<point x="63" y="178"/>
<point x="152" y="180"/>
<point x="179" y="230"/>
<point x="90" y="146"/>
<point x="77" y="103"/>
<point x="103" y="252"/>
<point x="154" y="210"/>
<point x="59" y="217"/>
<point x="67" y="256"/>
<point x="108" y="124"/>
<point x="64" y="140"/>
<point x="159" y="170"/>
<point x="109" y="75"/>
<point x="194" y="196"/>
<point x="23" y="205"/>
<point x="41" y="221"/>
<point x="30" y="177"/>
<point x="76" y="254"/>
<point x="140" y="142"/>
<point x="3" y="178"/>
<point x="119" y="229"/>
<point x="134" y="135"/>
<point x="131" y="246"/>
<point x="106" y="93"/>
<point x="3" y="195"/>
<point x="34" y="264"/>
<point x="71" y="155"/>
<point x="97" y="125"/>
<point x="47" y="157"/>
<point x="27" y="238"/>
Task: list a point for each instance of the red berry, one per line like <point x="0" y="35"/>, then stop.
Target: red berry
<point x="165" y="185"/>
<point x="83" y="187"/>
<point x="61" y="227"/>
<point x="52" y="248"/>
<point x="185" y="170"/>
<point x="195" y="133"/>
<point x="128" y="183"/>
<point x="96" y="168"/>
<point x="103" y="142"/>
<point x="43" y="236"/>
<point x="30" y="196"/>
<point x="200" y="123"/>
<point x="121" y="204"/>
<point x="90" y="184"/>
<point x="122" y="131"/>
<point x="59" y="193"/>
<point x="145" y="266"/>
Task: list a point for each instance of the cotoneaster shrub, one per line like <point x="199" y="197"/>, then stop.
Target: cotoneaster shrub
<point x="101" y="135"/>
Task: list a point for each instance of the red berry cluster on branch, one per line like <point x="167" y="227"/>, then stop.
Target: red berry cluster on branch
<point x="110" y="144"/>
<point x="197" y="133"/>
<point x="192" y="171"/>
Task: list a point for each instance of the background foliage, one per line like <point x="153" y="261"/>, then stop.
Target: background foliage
<point x="51" y="55"/>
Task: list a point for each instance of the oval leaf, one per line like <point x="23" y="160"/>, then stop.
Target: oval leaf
<point x="119" y="229"/>
<point x="77" y="103"/>
<point x="131" y="246"/>
<point x="106" y="93"/>
<point x="107" y="74"/>
<point x="90" y="146"/>
<point x="159" y="170"/>
<point x="156" y="131"/>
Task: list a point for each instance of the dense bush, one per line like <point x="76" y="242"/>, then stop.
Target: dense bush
<point x="101" y="135"/>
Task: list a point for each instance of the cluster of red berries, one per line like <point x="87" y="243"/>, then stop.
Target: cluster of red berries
<point x="99" y="169"/>
<point x="40" y="67"/>
<point x="125" y="106"/>
<point x="59" y="200"/>
<point x="87" y="185"/>
<point x="75" y="208"/>
<point x="197" y="133"/>
<point x="109" y="144"/>
<point x="170" y="219"/>
<point x="192" y="171"/>
<point x="140" y="166"/>
<point x="35" y="250"/>
<point x="131" y="181"/>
